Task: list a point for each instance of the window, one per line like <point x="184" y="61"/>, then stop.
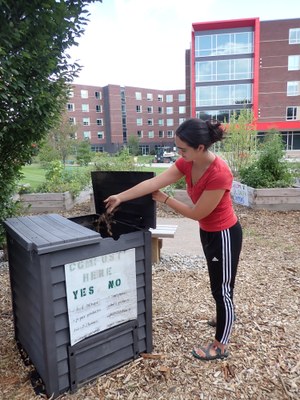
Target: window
<point x="181" y="97"/>
<point x="170" y="122"/>
<point x="139" y="109"/>
<point x="86" y="121"/>
<point x="97" y="149"/>
<point x="139" y="121"/>
<point x="161" y="122"/>
<point x="169" y="98"/>
<point x="223" y="95"/>
<point x="160" y="110"/>
<point x="160" y="97"/>
<point x="85" y="108"/>
<point x="139" y="134"/>
<point x="84" y="94"/>
<point x="150" y="110"/>
<point x="181" y="109"/>
<point x="181" y="120"/>
<point x="98" y="108"/>
<point x="99" y="121"/>
<point x="138" y="95"/>
<point x="72" y="121"/>
<point x="169" y="110"/>
<point x="149" y="96"/>
<point x="100" y="135"/>
<point x="70" y="107"/>
<point x="294" y="63"/>
<point x="98" y="95"/>
<point x="151" y="134"/>
<point x="223" y="44"/>
<point x="292" y="113"/>
<point x="71" y="93"/>
<point x="224" y="70"/>
<point x="293" y="88"/>
<point x="170" y="134"/>
<point x="161" y="134"/>
<point x="86" y="135"/>
<point x="150" y="122"/>
<point x="294" y="36"/>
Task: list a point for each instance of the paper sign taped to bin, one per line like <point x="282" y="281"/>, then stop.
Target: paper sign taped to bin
<point x="101" y="293"/>
<point x="239" y="193"/>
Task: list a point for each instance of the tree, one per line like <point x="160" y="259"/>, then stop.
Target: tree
<point x="239" y="146"/>
<point x="133" y="143"/>
<point x="60" y="142"/>
<point x="34" y="76"/>
<point x="84" y="154"/>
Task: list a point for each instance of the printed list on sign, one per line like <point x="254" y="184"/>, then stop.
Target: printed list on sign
<point x="101" y="293"/>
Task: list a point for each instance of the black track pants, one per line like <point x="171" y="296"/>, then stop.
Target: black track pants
<point x="222" y="250"/>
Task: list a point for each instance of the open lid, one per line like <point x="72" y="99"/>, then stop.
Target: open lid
<point x="140" y="212"/>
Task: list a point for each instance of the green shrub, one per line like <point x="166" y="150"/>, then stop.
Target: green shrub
<point x="269" y="170"/>
<point x="122" y="162"/>
<point x="59" y="180"/>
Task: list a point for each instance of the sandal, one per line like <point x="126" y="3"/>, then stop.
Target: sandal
<point x="208" y="357"/>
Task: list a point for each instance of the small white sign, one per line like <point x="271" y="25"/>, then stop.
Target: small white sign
<point x="101" y="293"/>
<point x="239" y="193"/>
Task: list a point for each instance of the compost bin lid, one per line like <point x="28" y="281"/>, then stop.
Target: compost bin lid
<point x="140" y="212"/>
<point x="48" y="233"/>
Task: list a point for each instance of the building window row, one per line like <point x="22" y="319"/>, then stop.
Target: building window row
<point x="224" y="70"/>
<point x="87" y="135"/>
<point x="160" y="122"/>
<point x="160" y="97"/>
<point x="84" y="107"/>
<point x="218" y="115"/>
<point x="151" y="134"/>
<point x="223" y="95"/>
<point x="160" y="110"/>
<point x="87" y="121"/>
<point x="224" y="44"/>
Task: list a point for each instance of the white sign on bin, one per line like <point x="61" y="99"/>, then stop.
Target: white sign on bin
<point x="101" y="293"/>
<point x="239" y="193"/>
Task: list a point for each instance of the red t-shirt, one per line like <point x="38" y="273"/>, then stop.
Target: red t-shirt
<point x="217" y="176"/>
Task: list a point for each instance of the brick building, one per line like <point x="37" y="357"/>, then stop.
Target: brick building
<point x="247" y="63"/>
<point x="109" y="115"/>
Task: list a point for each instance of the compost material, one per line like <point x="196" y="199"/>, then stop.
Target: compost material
<point x="264" y="361"/>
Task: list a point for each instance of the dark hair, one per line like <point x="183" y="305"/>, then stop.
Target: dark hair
<point x="195" y="131"/>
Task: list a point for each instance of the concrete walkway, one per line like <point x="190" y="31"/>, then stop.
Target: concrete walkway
<point x="186" y="240"/>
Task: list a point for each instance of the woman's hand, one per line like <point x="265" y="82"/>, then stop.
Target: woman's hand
<point x="159" y="196"/>
<point x="112" y="202"/>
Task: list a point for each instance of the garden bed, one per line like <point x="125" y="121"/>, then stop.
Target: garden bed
<point x="276" y="199"/>
<point x="51" y="202"/>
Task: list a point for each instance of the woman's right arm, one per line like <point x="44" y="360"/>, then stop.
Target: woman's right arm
<point x="170" y="175"/>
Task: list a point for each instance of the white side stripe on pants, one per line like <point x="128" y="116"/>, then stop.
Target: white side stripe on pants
<point x="229" y="312"/>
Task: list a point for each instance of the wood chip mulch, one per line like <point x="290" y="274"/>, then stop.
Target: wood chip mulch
<point x="264" y="361"/>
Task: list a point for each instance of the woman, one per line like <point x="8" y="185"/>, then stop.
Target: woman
<point x="209" y="181"/>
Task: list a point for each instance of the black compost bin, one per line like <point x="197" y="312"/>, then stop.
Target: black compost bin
<point x="82" y="300"/>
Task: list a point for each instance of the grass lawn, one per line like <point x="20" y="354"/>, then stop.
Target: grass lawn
<point x="33" y="174"/>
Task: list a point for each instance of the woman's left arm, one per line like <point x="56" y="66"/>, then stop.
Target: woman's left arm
<point x="207" y="202"/>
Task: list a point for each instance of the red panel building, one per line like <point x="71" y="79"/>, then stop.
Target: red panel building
<point x="247" y="63"/>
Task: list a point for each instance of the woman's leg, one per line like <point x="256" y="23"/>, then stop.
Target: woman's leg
<point x="222" y="251"/>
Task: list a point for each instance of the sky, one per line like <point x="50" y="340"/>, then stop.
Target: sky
<point x="142" y="43"/>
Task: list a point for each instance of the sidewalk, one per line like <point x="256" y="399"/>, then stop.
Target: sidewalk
<point x="186" y="240"/>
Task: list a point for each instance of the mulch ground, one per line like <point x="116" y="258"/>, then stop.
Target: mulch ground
<point x="264" y="361"/>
